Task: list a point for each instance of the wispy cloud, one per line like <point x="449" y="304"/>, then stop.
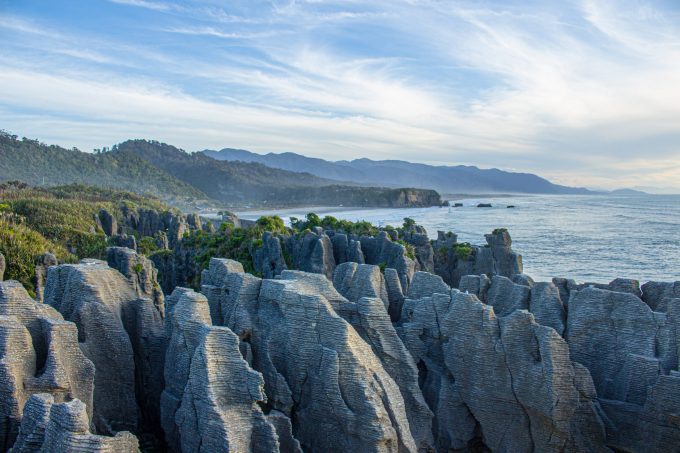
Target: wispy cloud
<point x="569" y="90"/>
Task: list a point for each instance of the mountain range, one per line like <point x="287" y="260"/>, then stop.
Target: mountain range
<point x="397" y="173"/>
<point x="185" y="180"/>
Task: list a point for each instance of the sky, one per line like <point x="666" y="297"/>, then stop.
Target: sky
<point x="585" y="93"/>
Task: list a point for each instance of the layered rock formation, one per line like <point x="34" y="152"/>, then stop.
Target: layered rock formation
<point x="39" y="353"/>
<point x="64" y="427"/>
<point x="122" y="334"/>
<point x="366" y="360"/>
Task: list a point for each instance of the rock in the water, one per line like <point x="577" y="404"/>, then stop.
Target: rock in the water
<point x="3" y="266"/>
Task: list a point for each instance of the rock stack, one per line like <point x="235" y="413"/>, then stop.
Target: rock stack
<point x="355" y="362"/>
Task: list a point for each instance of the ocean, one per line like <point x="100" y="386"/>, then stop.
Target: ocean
<point x="592" y="238"/>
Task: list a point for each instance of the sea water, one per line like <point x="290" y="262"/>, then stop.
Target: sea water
<point x="588" y="238"/>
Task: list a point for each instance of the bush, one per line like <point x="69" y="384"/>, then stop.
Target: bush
<point x="463" y="250"/>
<point x="21" y="247"/>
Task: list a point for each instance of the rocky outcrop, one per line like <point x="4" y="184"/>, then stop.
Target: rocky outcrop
<point x="40" y="275"/>
<point x="122" y="334"/>
<point x="417" y="237"/>
<point x="39" y="353"/>
<point x="532" y="397"/>
<point x="211" y="396"/>
<point x="381" y="251"/>
<point x="140" y="272"/>
<point x="632" y="354"/>
<point x="658" y="294"/>
<point x="3" y="266"/>
<point x="355" y="281"/>
<point x="312" y="252"/>
<point x="64" y="427"/>
<point x="453" y="260"/>
<point x="108" y="222"/>
<point x="337" y="392"/>
<point x="268" y="260"/>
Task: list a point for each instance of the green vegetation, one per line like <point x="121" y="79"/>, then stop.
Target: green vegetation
<point x="37" y="163"/>
<point x="463" y="250"/>
<point x="360" y="228"/>
<point x="409" y="223"/>
<point x="410" y="251"/>
<point x="21" y="247"/>
<point x="61" y="220"/>
<point x="499" y="231"/>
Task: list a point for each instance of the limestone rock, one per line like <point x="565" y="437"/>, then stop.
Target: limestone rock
<point x="337" y="392"/>
<point x="475" y="284"/>
<point x="604" y="328"/>
<point x="425" y="284"/>
<point x="219" y="410"/>
<point x="67" y="430"/>
<point x="268" y="259"/>
<point x="40" y="276"/>
<point x="108" y="222"/>
<point x="140" y="272"/>
<point x="395" y="294"/>
<point x="3" y="266"/>
<point x="546" y="306"/>
<point x="505" y="296"/>
<point x="380" y="250"/>
<point x="355" y="281"/>
<point x="188" y="314"/>
<point x="657" y="294"/>
<point x="39" y="352"/>
<point x="534" y="382"/>
<point x="312" y="252"/>
<point x="121" y="334"/>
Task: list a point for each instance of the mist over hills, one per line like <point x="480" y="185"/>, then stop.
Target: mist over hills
<point x="397" y="173"/>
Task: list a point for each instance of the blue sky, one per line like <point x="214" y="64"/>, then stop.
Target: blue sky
<point x="583" y="92"/>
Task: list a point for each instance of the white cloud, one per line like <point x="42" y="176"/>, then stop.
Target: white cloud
<point x="585" y="94"/>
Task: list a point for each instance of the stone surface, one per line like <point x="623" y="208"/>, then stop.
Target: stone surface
<point x="268" y="260"/>
<point x="40" y="276"/>
<point x="64" y="427"/>
<point x="546" y="306"/>
<point x="505" y="296"/>
<point x="121" y="334"/>
<point x="355" y="281"/>
<point x="336" y="391"/>
<point x="657" y="294"/>
<point x="312" y="252"/>
<point x="39" y="353"/>
<point x="140" y="272"/>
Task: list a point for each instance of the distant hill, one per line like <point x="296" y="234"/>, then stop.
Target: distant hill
<point x="240" y="183"/>
<point x="627" y="192"/>
<point x="397" y="173"/>
<point x="36" y="164"/>
<point x="189" y="180"/>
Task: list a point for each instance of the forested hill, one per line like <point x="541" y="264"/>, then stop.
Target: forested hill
<point x="178" y="177"/>
<point x="38" y="164"/>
